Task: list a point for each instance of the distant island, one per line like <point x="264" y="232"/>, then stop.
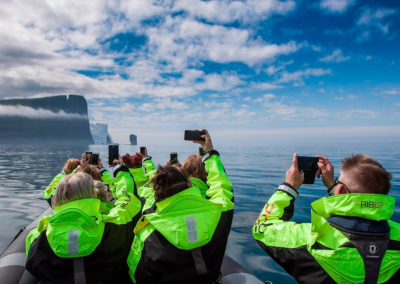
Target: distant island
<point x="58" y="119"/>
<point x="133" y="139"/>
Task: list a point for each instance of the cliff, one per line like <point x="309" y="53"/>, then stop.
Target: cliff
<point x="100" y="133"/>
<point x="58" y="119"/>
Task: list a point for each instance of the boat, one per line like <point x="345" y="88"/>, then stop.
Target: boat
<point x="13" y="259"/>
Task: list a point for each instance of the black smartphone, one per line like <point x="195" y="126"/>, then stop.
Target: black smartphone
<point x="95" y="159"/>
<point x="192" y="135"/>
<point x="89" y="156"/>
<point x="173" y="157"/>
<point x="201" y="151"/>
<point x="309" y="166"/>
<point x="143" y="150"/>
<point x="113" y="153"/>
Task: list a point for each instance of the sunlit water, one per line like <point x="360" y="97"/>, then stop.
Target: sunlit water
<point x="254" y="171"/>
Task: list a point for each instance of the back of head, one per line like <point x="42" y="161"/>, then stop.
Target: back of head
<point x="194" y="167"/>
<point x="90" y="170"/>
<point x="168" y="181"/>
<point x="133" y="162"/>
<point x="365" y="175"/>
<point x="70" y="165"/>
<point x="101" y="191"/>
<point x="73" y="187"/>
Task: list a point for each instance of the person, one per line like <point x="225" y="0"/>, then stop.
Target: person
<point x="79" y="244"/>
<point x="90" y="170"/>
<point x="194" y="169"/>
<point x="182" y="238"/>
<point x="351" y="238"/>
<point x="68" y="168"/>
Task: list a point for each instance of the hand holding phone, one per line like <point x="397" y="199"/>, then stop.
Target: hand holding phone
<point x="95" y="159"/>
<point x="194" y="135"/>
<point x="201" y="137"/>
<point x="143" y="151"/>
<point x="113" y="154"/>
<point x="201" y="151"/>
<point x="309" y="166"/>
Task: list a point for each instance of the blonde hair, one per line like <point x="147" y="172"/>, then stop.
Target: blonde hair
<point x="101" y="191"/>
<point x="73" y="187"/>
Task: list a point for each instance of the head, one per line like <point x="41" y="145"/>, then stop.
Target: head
<point x="194" y="167"/>
<point x="70" y="165"/>
<point x="134" y="161"/>
<point x="90" y="170"/>
<point x="168" y="181"/>
<point x="73" y="187"/>
<point x="362" y="174"/>
<point x="101" y="191"/>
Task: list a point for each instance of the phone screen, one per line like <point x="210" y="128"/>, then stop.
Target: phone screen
<point x="143" y="150"/>
<point x="89" y="156"/>
<point x="192" y="135"/>
<point x="173" y="157"/>
<point x="113" y="153"/>
<point x="201" y="151"/>
<point x="95" y="159"/>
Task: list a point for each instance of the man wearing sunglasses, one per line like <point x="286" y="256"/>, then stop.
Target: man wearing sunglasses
<point x="350" y="239"/>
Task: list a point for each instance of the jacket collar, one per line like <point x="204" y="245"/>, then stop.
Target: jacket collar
<point x="190" y="191"/>
<point x="369" y="206"/>
<point x="88" y="205"/>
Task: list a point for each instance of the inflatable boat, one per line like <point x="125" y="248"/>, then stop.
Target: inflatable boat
<point x="13" y="258"/>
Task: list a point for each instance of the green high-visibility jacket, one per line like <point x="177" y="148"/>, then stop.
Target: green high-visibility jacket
<point x="51" y="188"/>
<point x="78" y="229"/>
<point x="201" y="186"/>
<point x="185" y="236"/>
<point x="350" y="238"/>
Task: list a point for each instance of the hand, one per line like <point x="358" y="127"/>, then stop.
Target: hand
<point x="84" y="160"/>
<point x="115" y="162"/>
<point x="326" y="169"/>
<point x="100" y="164"/>
<point x="294" y="177"/>
<point x="207" y="144"/>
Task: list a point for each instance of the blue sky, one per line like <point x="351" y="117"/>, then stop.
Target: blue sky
<point x="257" y="67"/>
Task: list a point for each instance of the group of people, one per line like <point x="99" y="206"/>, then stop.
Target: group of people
<point x="170" y="224"/>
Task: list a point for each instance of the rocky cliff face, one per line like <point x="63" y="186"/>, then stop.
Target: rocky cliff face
<point x="58" y="119"/>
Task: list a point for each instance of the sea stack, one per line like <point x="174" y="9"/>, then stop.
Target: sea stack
<point x="133" y="139"/>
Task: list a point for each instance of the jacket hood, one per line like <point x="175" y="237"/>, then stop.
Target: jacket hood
<point x="76" y="228"/>
<point x="186" y="219"/>
<point x="364" y="205"/>
<point x="201" y="185"/>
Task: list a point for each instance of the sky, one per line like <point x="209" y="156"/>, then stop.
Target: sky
<point x="250" y="70"/>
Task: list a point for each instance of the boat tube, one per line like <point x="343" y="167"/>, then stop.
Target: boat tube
<point x="13" y="259"/>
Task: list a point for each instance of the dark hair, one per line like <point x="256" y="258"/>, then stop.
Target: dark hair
<point x="91" y="170"/>
<point x="168" y="181"/>
<point x="194" y="167"/>
<point x="367" y="174"/>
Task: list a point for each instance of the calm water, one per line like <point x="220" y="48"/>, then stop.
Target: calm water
<point x="255" y="172"/>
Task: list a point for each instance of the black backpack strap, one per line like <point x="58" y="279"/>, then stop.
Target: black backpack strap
<point x="199" y="262"/>
<point x="371" y="249"/>
<point x="79" y="271"/>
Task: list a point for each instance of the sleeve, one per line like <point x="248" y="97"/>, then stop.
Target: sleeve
<point x="139" y="177"/>
<point x="107" y="177"/>
<point x="127" y="205"/>
<point x="283" y="240"/>
<point x="149" y="167"/>
<point x="220" y="188"/>
<point x="49" y="191"/>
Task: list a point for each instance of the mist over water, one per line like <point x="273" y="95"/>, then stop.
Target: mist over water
<point x="255" y="172"/>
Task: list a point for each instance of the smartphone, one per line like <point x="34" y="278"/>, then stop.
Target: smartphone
<point x="95" y="159"/>
<point x="88" y="156"/>
<point x="309" y="166"/>
<point x="143" y="150"/>
<point x="192" y="135"/>
<point x="201" y="151"/>
<point x="113" y="153"/>
<point x="173" y="157"/>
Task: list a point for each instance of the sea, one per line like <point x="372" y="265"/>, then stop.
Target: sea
<point x="255" y="171"/>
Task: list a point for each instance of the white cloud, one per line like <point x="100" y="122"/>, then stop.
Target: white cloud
<point x="298" y="76"/>
<point x="391" y="92"/>
<point x="379" y="19"/>
<point x="335" y="56"/>
<point x="40" y="113"/>
<point x="336" y="6"/>
<point x="230" y="11"/>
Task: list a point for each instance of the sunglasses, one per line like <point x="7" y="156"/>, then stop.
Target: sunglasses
<point x="337" y="181"/>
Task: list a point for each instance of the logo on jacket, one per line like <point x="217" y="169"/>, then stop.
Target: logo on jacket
<point x="372" y="248"/>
